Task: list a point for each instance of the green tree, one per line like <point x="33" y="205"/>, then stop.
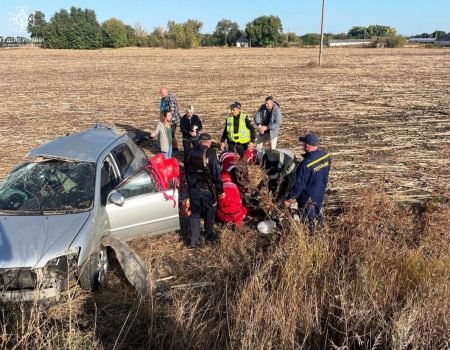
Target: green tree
<point x="358" y="32"/>
<point x="37" y="25"/>
<point x="291" y="40"/>
<point x="264" y="31"/>
<point x="141" y="35"/>
<point x="114" y="33"/>
<point x="157" y="38"/>
<point x="311" y="39"/>
<point x="227" y="32"/>
<point x="78" y="29"/>
<point x="186" y="35"/>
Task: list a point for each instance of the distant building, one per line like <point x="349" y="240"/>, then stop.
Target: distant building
<point x="443" y="40"/>
<point x="349" y="42"/>
<point x="242" y="42"/>
<point x="422" y="40"/>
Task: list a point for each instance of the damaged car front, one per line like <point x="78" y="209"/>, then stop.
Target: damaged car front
<point x="44" y="204"/>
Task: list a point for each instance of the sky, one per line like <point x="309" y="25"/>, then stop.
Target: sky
<point x="409" y="17"/>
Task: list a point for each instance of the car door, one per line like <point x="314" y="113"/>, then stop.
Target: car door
<point x="145" y="209"/>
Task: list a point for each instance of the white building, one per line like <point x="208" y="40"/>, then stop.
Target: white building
<point x="242" y="42"/>
<point x="348" y="42"/>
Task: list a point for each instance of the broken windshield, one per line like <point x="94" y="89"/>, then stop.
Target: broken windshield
<point x="49" y="186"/>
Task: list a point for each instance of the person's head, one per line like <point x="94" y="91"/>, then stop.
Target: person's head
<point x="164" y="91"/>
<point x="166" y="116"/>
<point x="235" y="108"/>
<point x="190" y="111"/>
<point x="205" y="139"/>
<point x="269" y="103"/>
<point x="310" y="142"/>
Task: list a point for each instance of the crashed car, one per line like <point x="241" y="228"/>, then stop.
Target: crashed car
<point x="69" y="197"/>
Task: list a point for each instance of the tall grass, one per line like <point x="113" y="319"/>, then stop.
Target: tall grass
<point x="377" y="276"/>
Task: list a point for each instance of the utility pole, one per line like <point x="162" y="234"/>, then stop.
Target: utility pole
<point x="321" y="34"/>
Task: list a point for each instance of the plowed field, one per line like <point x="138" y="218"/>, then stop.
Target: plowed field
<point x="382" y="113"/>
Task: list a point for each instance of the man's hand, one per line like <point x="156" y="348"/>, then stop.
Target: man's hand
<point x="222" y="146"/>
<point x="221" y="196"/>
<point x="262" y="129"/>
<point x="193" y="133"/>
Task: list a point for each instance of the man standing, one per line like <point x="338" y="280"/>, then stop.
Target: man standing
<point x="312" y="179"/>
<point x="169" y="103"/>
<point x="268" y="120"/>
<point x="204" y="186"/>
<point x="239" y="131"/>
<point x="190" y="126"/>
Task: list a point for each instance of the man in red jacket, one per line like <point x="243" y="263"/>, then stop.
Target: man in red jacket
<point x="229" y="207"/>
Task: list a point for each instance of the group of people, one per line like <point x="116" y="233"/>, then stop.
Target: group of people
<point x="213" y="187"/>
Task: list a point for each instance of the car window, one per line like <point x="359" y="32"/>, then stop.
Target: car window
<point x="109" y="179"/>
<point x="123" y="156"/>
<point x="48" y="187"/>
<point x="137" y="185"/>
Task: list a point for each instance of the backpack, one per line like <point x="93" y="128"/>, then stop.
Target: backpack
<point x="162" y="171"/>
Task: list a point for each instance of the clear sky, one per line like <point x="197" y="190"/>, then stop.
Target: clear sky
<point x="300" y="16"/>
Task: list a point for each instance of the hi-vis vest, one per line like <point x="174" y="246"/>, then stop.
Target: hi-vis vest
<point x="243" y="134"/>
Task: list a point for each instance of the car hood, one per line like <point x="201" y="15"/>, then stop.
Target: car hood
<point x="31" y="241"/>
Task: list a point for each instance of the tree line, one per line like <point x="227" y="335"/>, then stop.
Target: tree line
<point x="79" y="29"/>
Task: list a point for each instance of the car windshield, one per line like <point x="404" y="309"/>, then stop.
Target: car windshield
<point x="48" y="186"/>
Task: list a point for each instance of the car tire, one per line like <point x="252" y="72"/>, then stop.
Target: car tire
<point x="93" y="272"/>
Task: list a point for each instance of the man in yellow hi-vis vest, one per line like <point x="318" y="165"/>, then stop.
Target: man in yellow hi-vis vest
<point x="239" y="131"/>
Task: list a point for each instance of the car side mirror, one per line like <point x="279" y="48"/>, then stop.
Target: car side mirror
<point x="116" y="198"/>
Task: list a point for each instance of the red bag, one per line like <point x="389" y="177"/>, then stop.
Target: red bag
<point x="162" y="171"/>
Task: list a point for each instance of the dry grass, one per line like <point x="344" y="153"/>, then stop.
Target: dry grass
<point x="377" y="276"/>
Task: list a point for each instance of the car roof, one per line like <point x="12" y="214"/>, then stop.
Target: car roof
<point x="86" y="146"/>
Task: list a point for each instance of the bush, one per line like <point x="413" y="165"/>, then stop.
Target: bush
<point x="395" y="41"/>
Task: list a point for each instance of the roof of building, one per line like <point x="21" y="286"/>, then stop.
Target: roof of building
<point x="242" y="40"/>
<point x="86" y="146"/>
<point x="333" y="41"/>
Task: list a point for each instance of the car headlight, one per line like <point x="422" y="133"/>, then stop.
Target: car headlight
<point x="63" y="262"/>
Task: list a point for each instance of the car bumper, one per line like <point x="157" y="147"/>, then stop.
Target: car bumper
<point x="29" y="295"/>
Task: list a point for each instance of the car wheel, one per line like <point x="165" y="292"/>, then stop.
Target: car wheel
<point x="93" y="272"/>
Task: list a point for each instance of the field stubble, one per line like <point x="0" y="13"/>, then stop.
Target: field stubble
<point x="377" y="276"/>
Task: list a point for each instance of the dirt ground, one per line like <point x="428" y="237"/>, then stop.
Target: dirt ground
<point x="382" y="113"/>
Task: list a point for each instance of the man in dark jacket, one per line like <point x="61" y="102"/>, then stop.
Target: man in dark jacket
<point x="312" y="179"/>
<point x="169" y="103"/>
<point x="239" y="131"/>
<point x="268" y="122"/>
<point x="191" y="127"/>
<point x="204" y="186"/>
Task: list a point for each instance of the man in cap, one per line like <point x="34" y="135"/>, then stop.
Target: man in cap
<point x="204" y="187"/>
<point x="268" y="122"/>
<point x="239" y="131"/>
<point x="311" y="182"/>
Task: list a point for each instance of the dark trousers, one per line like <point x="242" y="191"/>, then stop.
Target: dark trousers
<point x="312" y="215"/>
<point x="174" y="137"/>
<point x="203" y="204"/>
<point x="187" y="147"/>
<point x="239" y="148"/>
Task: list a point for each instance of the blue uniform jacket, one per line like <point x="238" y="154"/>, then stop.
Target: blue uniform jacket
<point x="312" y="178"/>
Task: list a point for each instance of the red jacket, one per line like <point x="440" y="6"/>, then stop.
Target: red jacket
<point x="230" y="208"/>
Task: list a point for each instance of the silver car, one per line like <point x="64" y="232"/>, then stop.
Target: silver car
<point x="63" y="200"/>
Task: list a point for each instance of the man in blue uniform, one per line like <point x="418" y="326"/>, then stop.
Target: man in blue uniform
<point x="312" y="179"/>
<point x="204" y="186"/>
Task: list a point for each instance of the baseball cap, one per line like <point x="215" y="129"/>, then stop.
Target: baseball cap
<point x="310" y="139"/>
<point x="205" y="137"/>
<point x="235" y="104"/>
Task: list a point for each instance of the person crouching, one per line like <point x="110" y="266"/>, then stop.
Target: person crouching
<point x="230" y="208"/>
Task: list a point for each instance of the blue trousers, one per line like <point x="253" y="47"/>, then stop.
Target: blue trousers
<point x="312" y="215"/>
